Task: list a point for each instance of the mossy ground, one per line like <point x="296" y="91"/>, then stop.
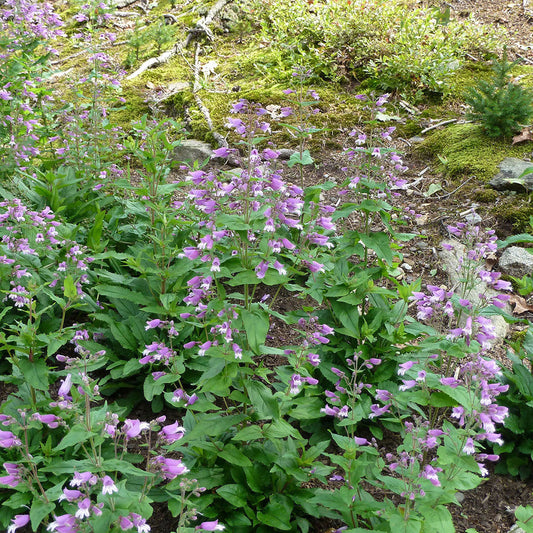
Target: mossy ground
<point x="249" y="67"/>
<point x="466" y="150"/>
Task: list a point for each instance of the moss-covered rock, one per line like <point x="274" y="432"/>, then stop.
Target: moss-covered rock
<point x="467" y="150"/>
<point x="486" y="196"/>
<point x="515" y="210"/>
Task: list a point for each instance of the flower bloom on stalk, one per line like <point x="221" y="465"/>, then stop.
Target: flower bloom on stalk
<point x="430" y="473"/>
<point x="8" y="439"/>
<point x="378" y="411"/>
<point x="108" y="485"/>
<point x="19" y="520"/>
<point x="211" y="526"/>
<point x="172" y="432"/>
<point x="52" y="421"/>
<point x="170" y="468"/>
<point x="70" y="495"/>
<point x="180" y="395"/>
<point x="82" y="478"/>
<point x="133" y="520"/>
<point x="65" y="523"/>
<point x="83" y="509"/>
<point x="297" y="381"/>
<point x="13" y="478"/>
<point x="335" y="411"/>
<point x="133" y="428"/>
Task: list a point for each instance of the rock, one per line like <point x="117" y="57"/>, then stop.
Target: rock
<point x="416" y="139"/>
<point x="450" y="258"/>
<point x="192" y="150"/>
<point x="516" y="261"/>
<point x="508" y="179"/>
<point x="285" y="153"/>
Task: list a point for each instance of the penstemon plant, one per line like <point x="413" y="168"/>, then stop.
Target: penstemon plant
<point x="176" y="288"/>
<point x="71" y="459"/>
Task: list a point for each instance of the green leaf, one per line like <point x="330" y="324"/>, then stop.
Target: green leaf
<point x="234" y="494"/>
<point x="256" y="324"/>
<point x="280" y="429"/>
<point x="246" y="277"/>
<point x="70" y="292"/>
<point x="234" y="456"/>
<point x="235" y="222"/>
<point x="67" y="467"/>
<point x="262" y="400"/>
<point x="119" y="465"/>
<point x="525" y="516"/>
<point x="38" y="511"/>
<point x="522" y="237"/>
<point x="301" y="159"/>
<point x="77" y="435"/>
<point x="35" y="372"/>
<point x="249" y="433"/>
<point x="436" y="519"/>
<point x="112" y="291"/>
<point x="433" y="188"/>
<point x="380" y="243"/>
<point x="277" y="513"/>
<point x="348" y="316"/>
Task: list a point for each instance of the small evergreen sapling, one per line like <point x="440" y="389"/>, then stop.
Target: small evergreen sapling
<point x="501" y="105"/>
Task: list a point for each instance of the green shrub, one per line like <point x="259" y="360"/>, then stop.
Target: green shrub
<point x="501" y="105"/>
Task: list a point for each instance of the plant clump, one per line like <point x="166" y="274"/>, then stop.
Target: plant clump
<point x="501" y="106"/>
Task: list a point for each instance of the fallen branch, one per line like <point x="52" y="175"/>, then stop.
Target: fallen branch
<point x="201" y="27"/>
<point x="443" y="123"/>
<point x="453" y="192"/>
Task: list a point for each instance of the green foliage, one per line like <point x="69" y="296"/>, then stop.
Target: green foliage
<point x="500" y="105"/>
<point x="517" y="451"/>
<point x="397" y="48"/>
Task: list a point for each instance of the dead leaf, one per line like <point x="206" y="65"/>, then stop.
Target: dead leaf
<point x="523" y="136"/>
<point x="520" y="304"/>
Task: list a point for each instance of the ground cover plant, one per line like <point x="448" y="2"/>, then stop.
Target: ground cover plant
<point x="123" y="270"/>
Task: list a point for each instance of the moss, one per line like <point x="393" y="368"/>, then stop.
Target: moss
<point x="467" y="151"/>
<point x="466" y="77"/>
<point x="515" y="210"/>
<point x="486" y="196"/>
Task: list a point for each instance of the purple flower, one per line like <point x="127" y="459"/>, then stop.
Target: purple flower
<point x="430" y="473"/>
<point x="407" y="384"/>
<point x="65" y="523"/>
<point x="295" y="384"/>
<point x="469" y="448"/>
<point x="70" y="495"/>
<point x="378" y="411"/>
<point x="172" y="432"/>
<point x="108" y="485"/>
<point x="83" y="509"/>
<point x="13" y="478"/>
<point x="8" y="439"/>
<point x="50" y="420"/>
<point x="261" y="269"/>
<point x="170" y="468"/>
<point x="360" y="441"/>
<point x="383" y="395"/>
<point x="155" y="323"/>
<point x="211" y="526"/>
<point x="133" y="428"/>
<point x="64" y="389"/>
<point x="19" y="520"/>
<point x="221" y="152"/>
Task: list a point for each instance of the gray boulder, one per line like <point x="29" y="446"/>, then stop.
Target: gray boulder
<point x="516" y="261"/>
<point x="451" y="260"/>
<point x="192" y="150"/>
<point x="508" y="179"/>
